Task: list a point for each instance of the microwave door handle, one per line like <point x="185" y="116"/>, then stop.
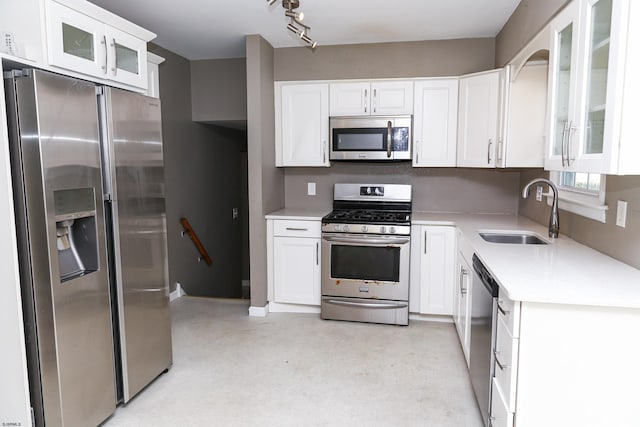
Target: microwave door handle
<point x="389" y="140"/>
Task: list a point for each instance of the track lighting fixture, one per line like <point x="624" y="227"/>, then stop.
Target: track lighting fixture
<point x="295" y="24"/>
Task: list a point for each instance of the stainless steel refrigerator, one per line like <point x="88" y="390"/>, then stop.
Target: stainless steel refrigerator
<point x="87" y="172"/>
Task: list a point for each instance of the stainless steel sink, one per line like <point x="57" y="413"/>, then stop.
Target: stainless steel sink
<point x="518" y="238"/>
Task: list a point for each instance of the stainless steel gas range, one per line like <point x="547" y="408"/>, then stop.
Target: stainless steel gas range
<point x="365" y="254"/>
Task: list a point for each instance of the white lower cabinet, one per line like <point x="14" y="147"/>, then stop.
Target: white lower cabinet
<point x="503" y="399"/>
<point x="294" y="263"/>
<point x="462" y="292"/>
<point x="432" y="267"/>
<point x="564" y="365"/>
<point x="462" y="303"/>
<point x="500" y="415"/>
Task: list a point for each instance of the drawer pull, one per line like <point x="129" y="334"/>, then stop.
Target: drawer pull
<point x="297" y="229"/>
<point x="500" y="365"/>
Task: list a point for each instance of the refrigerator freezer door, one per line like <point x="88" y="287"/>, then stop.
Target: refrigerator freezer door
<point x="136" y="172"/>
<point x="57" y="188"/>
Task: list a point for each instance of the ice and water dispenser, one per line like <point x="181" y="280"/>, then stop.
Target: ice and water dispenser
<point x="76" y="236"/>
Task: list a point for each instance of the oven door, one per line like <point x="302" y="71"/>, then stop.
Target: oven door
<point x="365" y="266"/>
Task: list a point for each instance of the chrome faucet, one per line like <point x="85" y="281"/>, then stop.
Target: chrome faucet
<point x="554" y="221"/>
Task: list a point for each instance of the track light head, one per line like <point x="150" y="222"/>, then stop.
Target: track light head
<point x="294" y="29"/>
<point x="296" y="26"/>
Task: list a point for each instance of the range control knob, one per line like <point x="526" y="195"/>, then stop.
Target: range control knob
<point x="383" y="229"/>
<point x="365" y="228"/>
<point x="345" y="228"/>
<point x="336" y="227"/>
<point x="392" y="229"/>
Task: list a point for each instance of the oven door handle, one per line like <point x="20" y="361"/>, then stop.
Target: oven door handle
<point x="384" y="305"/>
<point x="367" y="241"/>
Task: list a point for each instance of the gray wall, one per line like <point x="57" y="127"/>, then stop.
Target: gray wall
<point x="266" y="182"/>
<point x="202" y="174"/>
<point x="478" y="190"/>
<point x="620" y="243"/>
<point x="380" y="60"/>
<point x="219" y="91"/>
<point x="434" y="189"/>
<point x="525" y="22"/>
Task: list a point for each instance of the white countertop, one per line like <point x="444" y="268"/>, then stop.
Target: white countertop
<point x="562" y="272"/>
<point x="298" y="214"/>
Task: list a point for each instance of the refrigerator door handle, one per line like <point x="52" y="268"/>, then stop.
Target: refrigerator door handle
<point x="106" y="146"/>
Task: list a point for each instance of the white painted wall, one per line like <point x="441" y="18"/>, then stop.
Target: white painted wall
<point x="14" y="392"/>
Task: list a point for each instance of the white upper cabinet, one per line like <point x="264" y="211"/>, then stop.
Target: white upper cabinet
<point x="523" y="127"/>
<point x="563" y="68"/>
<point x="378" y="98"/>
<point x="594" y="66"/>
<point x="81" y="43"/>
<point x="435" y="122"/>
<point x="76" y="41"/>
<point x="79" y="39"/>
<point x="126" y="58"/>
<point x="479" y="112"/>
<point x="350" y="99"/>
<point x="391" y="98"/>
<point x="302" y="124"/>
<point x="153" y="74"/>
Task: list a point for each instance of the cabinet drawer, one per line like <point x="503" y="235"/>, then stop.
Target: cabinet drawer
<point x="290" y="228"/>
<point x="506" y="364"/>
<point x="509" y="313"/>
<point x="500" y="415"/>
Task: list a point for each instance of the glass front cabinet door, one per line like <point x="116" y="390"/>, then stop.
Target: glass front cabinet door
<point x="80" y="43"/>
<point x="586" y="83"/>
<point x="76" y="41"/>
<point x="562" y="86"/>
<point x="127" y="59"/>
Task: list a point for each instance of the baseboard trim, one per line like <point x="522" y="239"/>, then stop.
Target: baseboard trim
<point x="259" y="311"/>
<point x="430" y="318"/>
<point x="177" y="293"/>
<point x="275" y="307"/>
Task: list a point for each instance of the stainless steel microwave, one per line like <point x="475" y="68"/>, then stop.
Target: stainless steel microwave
<point x="370" y="138"/>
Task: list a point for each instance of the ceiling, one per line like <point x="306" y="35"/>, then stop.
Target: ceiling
<point x="212" y="29"/>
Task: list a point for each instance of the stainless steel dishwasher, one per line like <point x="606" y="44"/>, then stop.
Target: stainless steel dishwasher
<point x="483" y="311"/>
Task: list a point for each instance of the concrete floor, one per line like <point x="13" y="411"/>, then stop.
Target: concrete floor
<point x="297" y="370"/>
